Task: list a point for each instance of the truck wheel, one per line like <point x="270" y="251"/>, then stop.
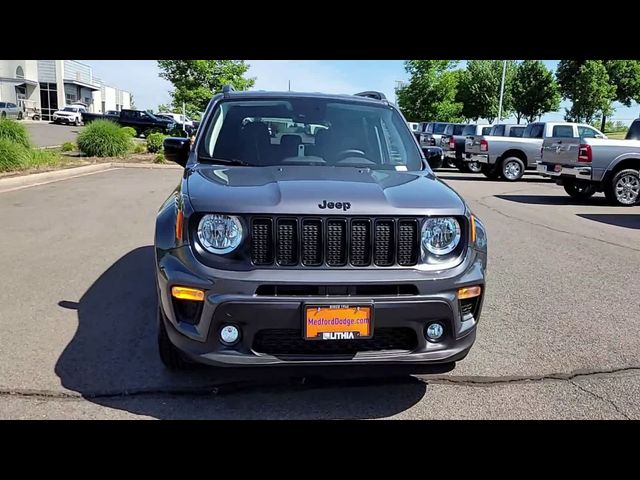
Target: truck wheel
<point x="474" y="167"/>
<point x="169" y="354"/>
<point x="579" y="190"/>
<point x="624" y="188"/>
<point x="490" y="171"/>
<point x="512" y="169"/>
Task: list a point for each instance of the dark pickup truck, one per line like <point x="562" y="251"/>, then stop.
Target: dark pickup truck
<point x="142" y="121"/>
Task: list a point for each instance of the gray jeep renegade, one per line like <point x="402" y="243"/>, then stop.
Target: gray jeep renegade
<point x="309" y="229"/>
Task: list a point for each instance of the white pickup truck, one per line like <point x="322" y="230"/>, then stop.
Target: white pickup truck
<point x="508" y="157"/>
<point x="584" y="166"/>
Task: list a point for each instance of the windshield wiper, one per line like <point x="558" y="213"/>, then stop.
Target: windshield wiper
<point x="225" y="161"/>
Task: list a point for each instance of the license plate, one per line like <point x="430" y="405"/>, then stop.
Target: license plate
<point x="557" y="168"/>
<point x="338" y="322"/>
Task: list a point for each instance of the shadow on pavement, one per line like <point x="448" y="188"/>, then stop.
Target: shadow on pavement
<point x="552" y="200"/>
<point x="113" y="353"/>
<point x="626" y="220"/>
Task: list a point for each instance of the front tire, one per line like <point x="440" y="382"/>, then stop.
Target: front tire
<point x="624" y="188"/>
<point x="169" y="354"/>
<point x="579" y="190"/>
<point x="512" y="169"/>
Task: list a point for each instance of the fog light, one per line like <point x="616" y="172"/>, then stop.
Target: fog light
<point x="434" y="331"/>
<point x="229" y="334"/>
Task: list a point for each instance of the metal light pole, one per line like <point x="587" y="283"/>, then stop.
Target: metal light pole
<point x="504" y="71"/>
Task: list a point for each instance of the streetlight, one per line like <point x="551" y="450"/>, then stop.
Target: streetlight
<point x="504" y="71"/>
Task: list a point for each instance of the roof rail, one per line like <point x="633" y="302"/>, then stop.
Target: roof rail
<point x="372" y="94"/>
<point x="227" y="88"/>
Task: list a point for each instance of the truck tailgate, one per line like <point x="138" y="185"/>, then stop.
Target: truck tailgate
<point x="472" y="144"/>
<point x="561" y="151"/>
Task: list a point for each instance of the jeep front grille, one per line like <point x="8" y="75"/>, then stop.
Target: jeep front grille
<point x="334" y="242"/>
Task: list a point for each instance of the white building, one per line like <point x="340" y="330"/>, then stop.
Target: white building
<point x="52" y="84"/>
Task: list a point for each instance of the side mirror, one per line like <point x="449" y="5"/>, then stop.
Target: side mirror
<point x="176" y="149"/>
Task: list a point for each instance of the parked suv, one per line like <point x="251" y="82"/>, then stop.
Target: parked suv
<point x="68" y="115"/>
<point x="341" y="247"/>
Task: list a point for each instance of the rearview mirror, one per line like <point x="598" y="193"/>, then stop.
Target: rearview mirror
<point x="176" y="149"/>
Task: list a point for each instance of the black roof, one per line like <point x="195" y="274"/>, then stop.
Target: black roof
<point x="331" y="96"/>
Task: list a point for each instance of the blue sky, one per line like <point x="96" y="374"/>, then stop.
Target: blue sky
<point x="140" y="77"/>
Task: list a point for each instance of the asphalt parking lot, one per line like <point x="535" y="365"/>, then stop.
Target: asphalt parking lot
<point x="45" y="134"/>
<point x="559" y="336"/>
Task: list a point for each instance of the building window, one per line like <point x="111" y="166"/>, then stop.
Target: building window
<point x="48" y="99"/>
<point x="19" y="72"/>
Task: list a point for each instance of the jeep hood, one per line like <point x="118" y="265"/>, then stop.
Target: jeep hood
<point x="302" y="189"/>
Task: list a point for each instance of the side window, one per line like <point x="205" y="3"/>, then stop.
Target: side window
<point x="516" y="131"/>
<point x="499" y="131"/>
<point x="486" y="130"/>
<point x="634" y="131"/>
<point x="448" y="130"/>
<point x="534" y="130"/>
<point x="3" y="105"/>
<point x="562" y="131"/>
<point x="586" y="132"/>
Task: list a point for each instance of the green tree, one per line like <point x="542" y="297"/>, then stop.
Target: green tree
<point x="588" y="86"/>
<point x="534" y="91"/>
<point x="431" y="91"/>
<point x="196" y="81"/>
<point x="625" y="75"/>
<point x="479" y="89"/>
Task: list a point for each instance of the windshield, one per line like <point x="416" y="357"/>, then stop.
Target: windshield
<point x="309" y="131"/>
<point x="70" y="109"/>
<point x="439" y="127"/>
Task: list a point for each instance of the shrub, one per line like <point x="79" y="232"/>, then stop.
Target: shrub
<point x="68" y="147"/>
<point x="13" y="155"/>
<point x="159" y="158"/>
<point x="154" y="142"/>
<point x="139" y="148"/>
<point x="104" y="138"/>
<point x="130" y="131"/>
<point x="42" y="157"/>
<point x="14" y="131"/>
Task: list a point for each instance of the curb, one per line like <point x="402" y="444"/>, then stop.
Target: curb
<point x="35" y="179"/>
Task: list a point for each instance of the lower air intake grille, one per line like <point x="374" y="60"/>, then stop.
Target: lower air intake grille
<point x="290" y="342"/>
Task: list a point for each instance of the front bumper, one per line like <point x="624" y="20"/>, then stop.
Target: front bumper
<point x="231" y="298"/>
<point x="559" y="172"/>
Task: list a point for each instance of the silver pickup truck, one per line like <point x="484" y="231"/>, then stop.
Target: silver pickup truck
<point x="509" y="156"/>
<point x="584" y="166"/>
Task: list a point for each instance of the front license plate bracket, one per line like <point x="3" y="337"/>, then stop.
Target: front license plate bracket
<point x="322" y="322"/>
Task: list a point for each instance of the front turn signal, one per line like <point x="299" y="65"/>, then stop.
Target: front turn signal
<point x="473" y="229"/>
<point x="469" y="292"/>
<point x="186" y="293"/>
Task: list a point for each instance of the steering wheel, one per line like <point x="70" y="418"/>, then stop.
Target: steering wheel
<point x="352" y="152"/>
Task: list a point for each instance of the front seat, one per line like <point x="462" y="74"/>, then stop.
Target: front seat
<point x="289" y="145"/>
<point x="256" y="144"/>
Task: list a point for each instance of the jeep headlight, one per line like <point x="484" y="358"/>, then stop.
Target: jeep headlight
<point x="440" y="236"/>
<point x="220" y="234"/>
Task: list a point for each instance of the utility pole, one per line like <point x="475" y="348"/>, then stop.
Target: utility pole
<point x="504" y="71"/>
<point x="289" y="85"/>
